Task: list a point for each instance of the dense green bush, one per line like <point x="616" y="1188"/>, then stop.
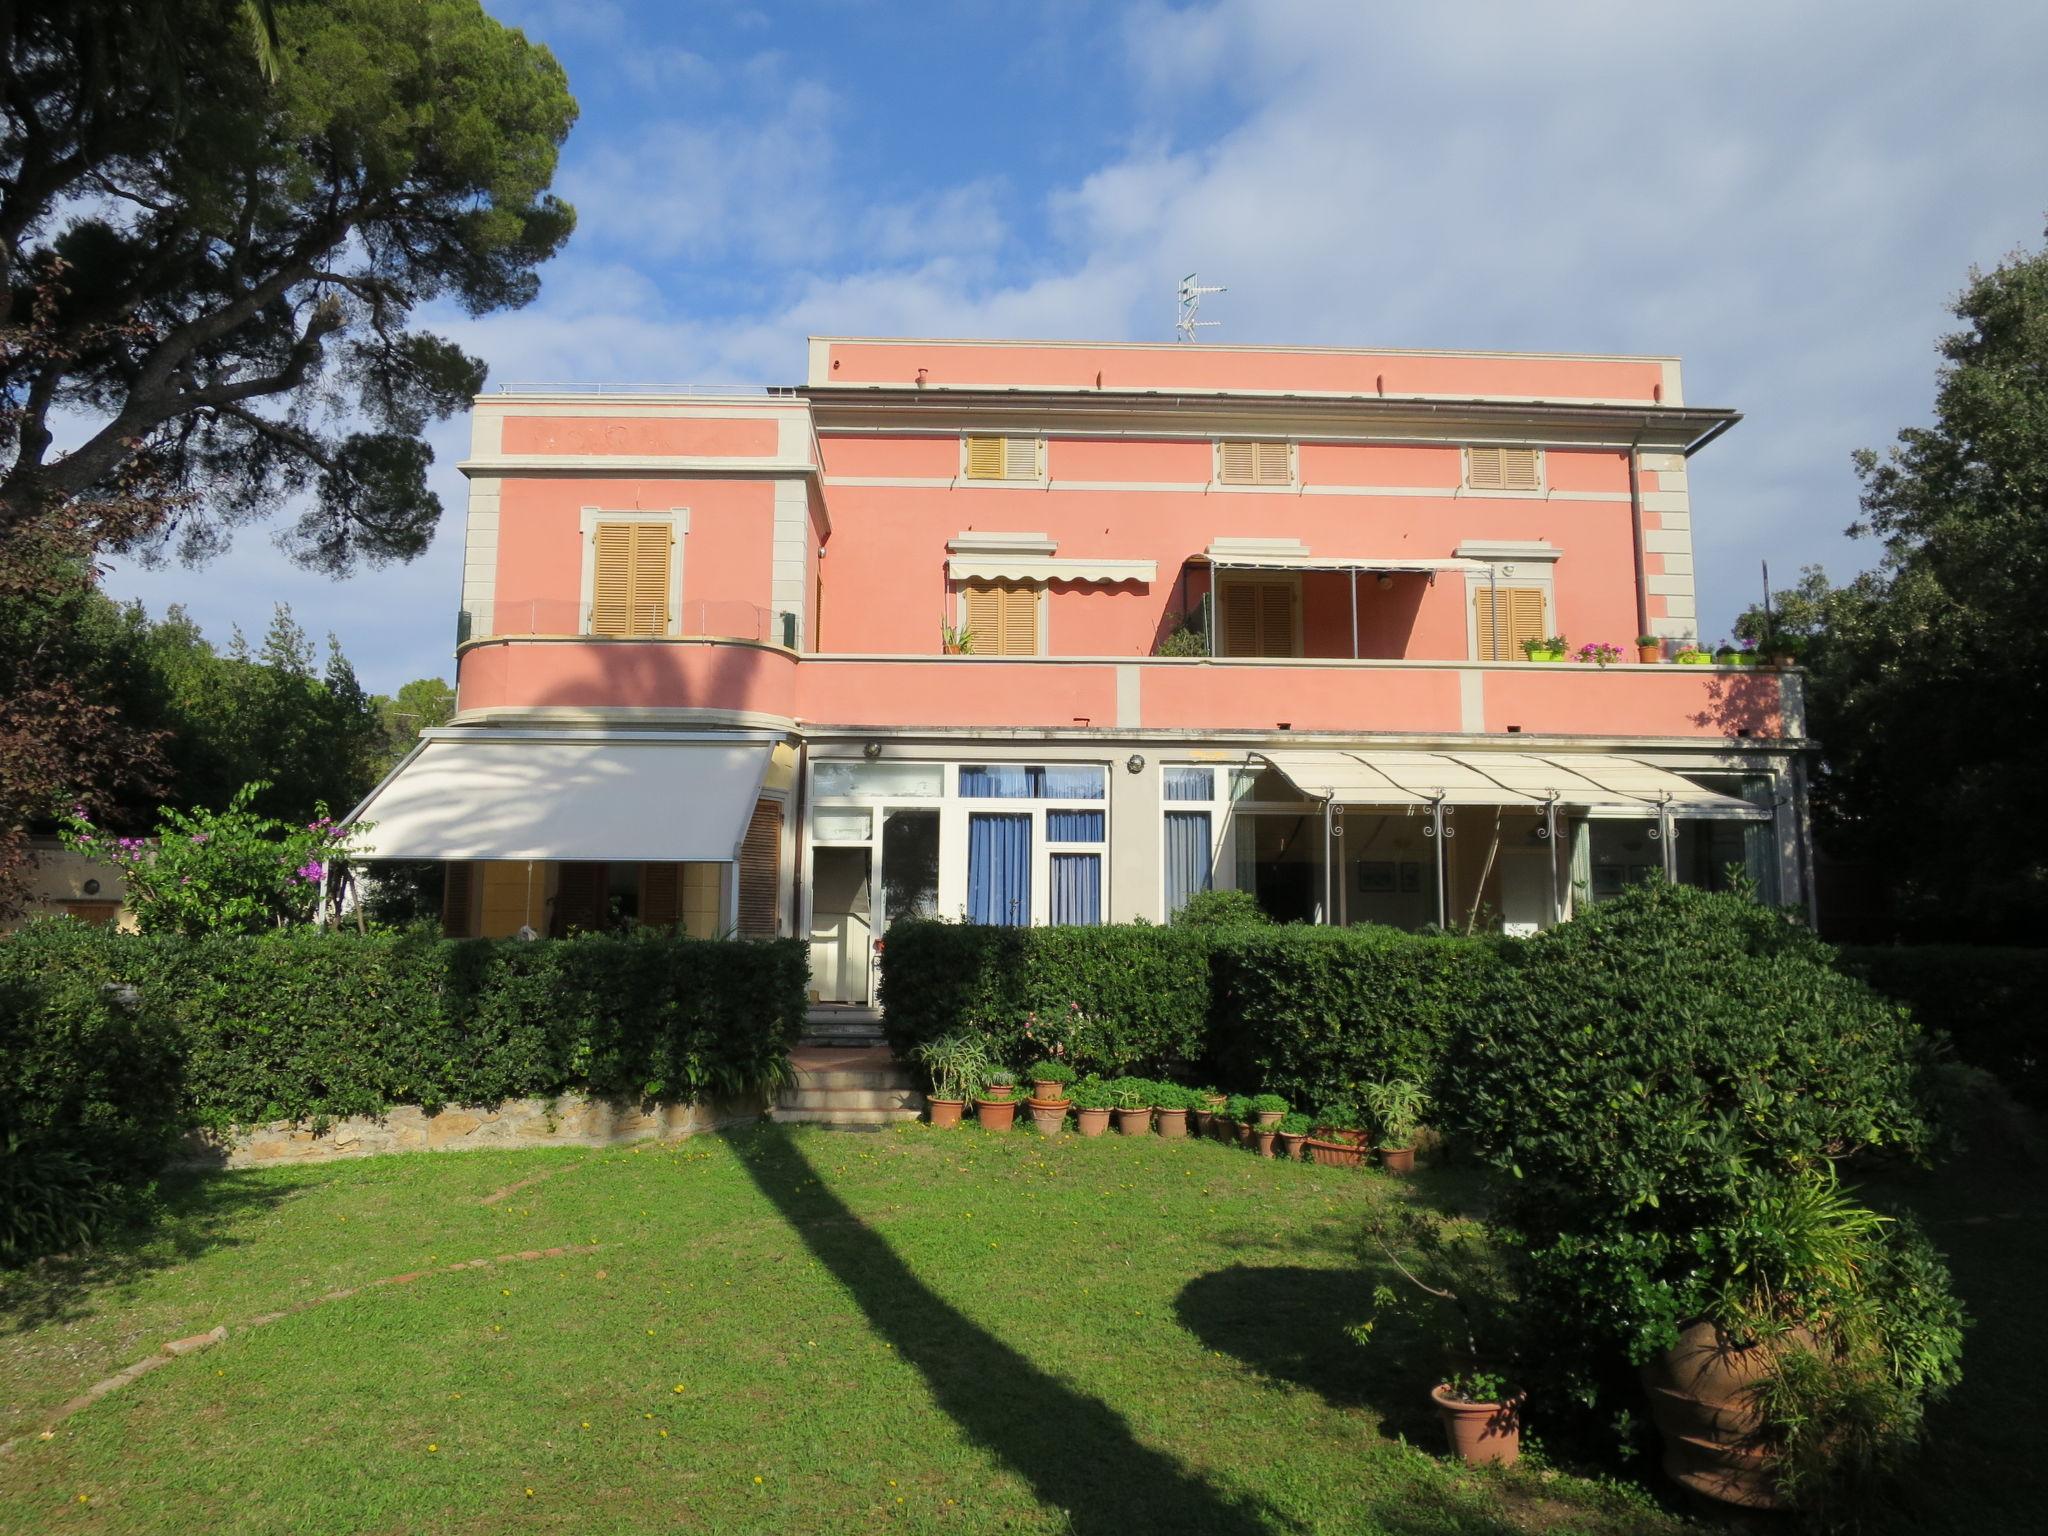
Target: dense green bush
<point x="1309" y="1013"/>
<point x="1108" y="1000"/>
<point x="307" y="1022"/>
<point x="1986" y="999"/>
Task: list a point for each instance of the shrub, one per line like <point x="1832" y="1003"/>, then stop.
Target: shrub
<point x="1295" y="1123"/>
<point x="1986" y="999"/>
<point x="1268" y="1104"/>
<point x="957" y="1063"/>
<point x="51" y="1200"/>
<point x="1171" y="1096"/>
<point x="1344" y="1112"/>
<point x="1043" y="1071"/>
<point x="1108" y="999"/>
<point x="1132" y="1092"/>
<point x="1091" y="1092"/>
<point x="1237" y="1108"/>
<point x="1397" y="1106"/>
<point x="1222" y="909"/>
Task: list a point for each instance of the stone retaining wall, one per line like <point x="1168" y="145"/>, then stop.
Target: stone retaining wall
<point x="568" y="1121"/>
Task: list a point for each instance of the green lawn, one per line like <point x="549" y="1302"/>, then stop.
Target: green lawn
<point x="774" y="1331"/>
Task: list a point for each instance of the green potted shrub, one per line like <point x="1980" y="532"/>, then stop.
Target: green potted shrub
<point x="1049" y="1080"/>
<point x="1550" y="648"/>
<point x="1785" y="650"/>
<point x="1692" y="655"/>
<point x="957" y="1063"/>
<point x="1267" y="1110"/>
<point x="1203" y="1104"/>
<point x="1292" y="1131"/>
<point x="996" y="1107"/>
<point x="1460" y="1292"/>
<point x="1170" y="1106"/>
<point x="1237" y="1112"/>
<point x="1340" y="1139"/>
<point x="956" y="639"/>
<point x="1398" y="1105"/>
<point x="1649" y="650"/>
<point x="1092" y="1102"/>
<point x="1133" y="1099"/>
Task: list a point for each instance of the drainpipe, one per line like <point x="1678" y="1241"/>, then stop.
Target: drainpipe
<point x="1550" y="855"/>
<point x="1329" y="864"/>
<point x="1438" y="831"/>
<point x="1635" y="528"/>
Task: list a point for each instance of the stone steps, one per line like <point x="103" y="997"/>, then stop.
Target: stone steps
<point x="870" y="1089"/>
<point x="842" y="1117"/>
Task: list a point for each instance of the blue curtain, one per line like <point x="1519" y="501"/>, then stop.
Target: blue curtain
<point x="1191" y="784"/>
<point x="1187" y="857"/>
<point x="1073" y="826"/>
<point x="999" y="869"/>
<point x="1030" y="781"/>
<point x="1077" y="888"/>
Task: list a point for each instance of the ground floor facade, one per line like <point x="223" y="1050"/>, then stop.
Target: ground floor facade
<point x="548" y="827"/>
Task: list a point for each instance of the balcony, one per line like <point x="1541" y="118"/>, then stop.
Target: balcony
<point x="750" y="682"/>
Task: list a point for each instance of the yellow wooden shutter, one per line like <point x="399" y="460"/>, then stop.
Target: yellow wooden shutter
<point x="652" y="544"/>
<point x="984" y="618"/>
<point x="1003" y="618"/>
<point x="1020" y="458"/>
<point x="760" y="874"/>
<point x="1276" y="618"/>
<point x="1274" y="464"/>
<point x="1238" y="463"/>
<point x="457" y="890"/>
<point x="1240" y="628"/>
<point x="1483" y="471"/>
<point x="1520" y="617"/>
<point x="661" y="895"/>
<point x="611" y="587"/>
<point x="1020" y="621"/>
<point x="1518" y="469"/>
<point x="985" y="458"/>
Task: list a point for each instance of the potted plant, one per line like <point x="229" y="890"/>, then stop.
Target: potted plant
<point x="1649" y="650"/>
<point x="957" y="1062"/>
<point x="1597" y="653"/>
<point x="1170" y="1101"/>
<point x="1339" y="1140"/>
<point x="1237" y="1110"/>
<point x="1092" y="1102"/>
<point x="1398" y="1105"/>
<point x="1549" y="648"/>
<point x="1049" y="1080"/>
<point x="1785" y="650"/>
<point x="1692" y="655"/>
<point x="996" y="1107"/>
<point x="1268" y="1110"/>
<point x="1459" y="1291"/>
<point x="1203" y="1103"/>
<point x="956" y="639"/>
<point x="1292" y="1131"/>
<point x="1048" y="1118"/>
<point x="1133" y="1099"/>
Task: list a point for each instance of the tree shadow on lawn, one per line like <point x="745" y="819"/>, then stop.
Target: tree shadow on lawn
<point x="1078" y="1453"/>
<point x="195" y="1211"/>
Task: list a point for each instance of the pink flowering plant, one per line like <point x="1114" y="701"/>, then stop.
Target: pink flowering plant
<point x="1598" y="653"/>
<point x="228" y="871"/>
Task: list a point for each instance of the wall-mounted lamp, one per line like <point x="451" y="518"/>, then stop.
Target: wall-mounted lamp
<point x="1385" y="581"/>
<point x="1135" y="762"/>
<point x="871" y="751"/>
<point x="92" y="887"/>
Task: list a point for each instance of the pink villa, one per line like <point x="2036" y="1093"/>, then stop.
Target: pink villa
<point x="1064" y="632"/>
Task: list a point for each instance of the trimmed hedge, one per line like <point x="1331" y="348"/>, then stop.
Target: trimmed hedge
<point x="1987" y="999"/>
<point x="306" y="1023"/>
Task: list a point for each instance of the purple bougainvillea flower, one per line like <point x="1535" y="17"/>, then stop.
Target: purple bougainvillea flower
<point x="312" y="872"/>
<point x="202" y="837"/>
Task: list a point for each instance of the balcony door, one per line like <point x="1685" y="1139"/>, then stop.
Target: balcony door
<point x="1260" y="615"/>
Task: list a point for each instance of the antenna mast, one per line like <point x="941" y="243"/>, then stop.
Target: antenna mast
<point x="1190" y="301"/>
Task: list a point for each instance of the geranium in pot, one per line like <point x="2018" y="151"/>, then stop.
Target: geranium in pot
<point x="1649" y="650"/>
<point x="1549" y="648"/>
<point x="1133" y="1099"/>
<point x="1598" y="653"/>
<point x="996" y="1106"/>
<point x="1340" y="1139"/>
<point x="1203" y="1103"/>
<point x="1049" y="1080"/>
<point x="1092" y="1102"/>
<point x="1398" y="1105"/>
<point x="1170" y="1109"/>
<point x="1268" y="1110"/>
<point x="957" y="1063"/>
<point x="1292" y="1132"/>
<point x="1456" y="1287"/>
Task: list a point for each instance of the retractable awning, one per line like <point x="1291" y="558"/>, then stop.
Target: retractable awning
<point x="1026" y="567"/>
<point x="1595" y="783"/>
<point x="1292" y="555"/>
<point x="655" y="796"/>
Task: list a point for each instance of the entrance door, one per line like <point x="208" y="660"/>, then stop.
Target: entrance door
<point x="841" y="924"/>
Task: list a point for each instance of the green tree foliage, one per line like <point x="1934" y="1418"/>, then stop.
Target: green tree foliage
<point x="420" y="705"/>
<point x="214" y="235"/>
<point x="1929" y="675"/>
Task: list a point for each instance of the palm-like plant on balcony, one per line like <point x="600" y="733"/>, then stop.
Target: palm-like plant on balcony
<point x="956" y="639"/>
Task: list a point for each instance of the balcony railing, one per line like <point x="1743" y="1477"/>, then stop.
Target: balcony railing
<point x="720" y="620"/>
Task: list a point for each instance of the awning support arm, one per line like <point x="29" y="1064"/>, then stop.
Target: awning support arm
<point x="1438" y="831"/>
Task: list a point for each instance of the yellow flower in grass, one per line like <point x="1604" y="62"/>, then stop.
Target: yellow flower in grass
<point x="433" y="1448"/>
<point x="757" y="1480"/>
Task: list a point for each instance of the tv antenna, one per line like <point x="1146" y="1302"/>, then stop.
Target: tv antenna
<point x="1190" y="301"/>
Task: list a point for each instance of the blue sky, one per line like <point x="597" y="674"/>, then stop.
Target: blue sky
<point x="1785" y="196"/>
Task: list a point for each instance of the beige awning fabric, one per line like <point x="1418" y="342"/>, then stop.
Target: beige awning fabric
<point x="1593" y="783"/>
<point x="1289" y="555"/>
<point x="655" y="796"/>
<point x="993" y="567"/>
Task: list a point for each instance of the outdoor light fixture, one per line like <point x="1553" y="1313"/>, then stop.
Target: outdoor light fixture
<point x="871" y="751"/>
<point x="92" y="887"/>
<point x="1385" y="581"/>
<point x="1135" y="762"/>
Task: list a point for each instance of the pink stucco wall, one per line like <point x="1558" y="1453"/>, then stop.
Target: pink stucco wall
<point x="710" y="437"/>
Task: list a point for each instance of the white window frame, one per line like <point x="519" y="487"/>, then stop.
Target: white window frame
<point x="678" y="521"/>
<point x="1509" y="565"/>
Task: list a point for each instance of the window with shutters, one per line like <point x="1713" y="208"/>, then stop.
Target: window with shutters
<point x="1001" y="616"/>
<point x="661" y="895"/>
<point x="458" y="900"/>
<point x="632" y="575"/>
<point x="1500" y="627"/>
<point x="760" y="875"/>
<point x="1259" y="615"/>
<point x="1503" y="469"/>
<point x="1004" y="458"/>
<point x="1241" y="462"/>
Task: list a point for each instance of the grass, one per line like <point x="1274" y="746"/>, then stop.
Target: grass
<point x="773" y="1331"/>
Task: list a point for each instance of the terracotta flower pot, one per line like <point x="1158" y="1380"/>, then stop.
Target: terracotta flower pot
<point x="1397" y="1159"/>
<point x="1290" y="1145"/>
<point x="995" y="1114"/>
<point x="1134" y="1122"/>
<point x="1048" y="1090"/>
<point x="1269" y="1117"/>
<point x="1048" y="1117"/>
<point x="946" y="1111"/>
<point x="1221" y="1128"/>
<point x="1172" y="1122"/>
<point x="1201" y="1119"/>
<point x="1091" y="1122"/>
<point x="1485" y="1434"/>
<point x="1334" y="1154"/>
<point x="1703" y="1399"/>
<point x="1262" y="1141"/>
<point x="1649" y="655"/>
<point x="1244" y="1133"/>
<point x="1348" y="1138"/>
